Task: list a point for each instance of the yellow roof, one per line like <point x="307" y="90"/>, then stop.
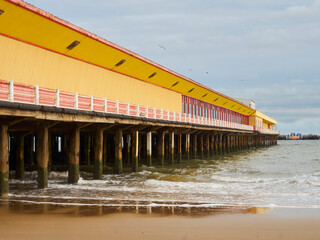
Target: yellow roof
<point x="265" y="118"/>
<point x="27" y="23"/>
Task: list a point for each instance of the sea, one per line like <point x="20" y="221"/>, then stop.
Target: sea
<point x="286" y="175"/>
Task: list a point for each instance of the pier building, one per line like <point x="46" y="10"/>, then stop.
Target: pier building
<point x="71" y="98"/>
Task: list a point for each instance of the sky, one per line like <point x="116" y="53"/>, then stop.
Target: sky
<point x="266" y="50"/>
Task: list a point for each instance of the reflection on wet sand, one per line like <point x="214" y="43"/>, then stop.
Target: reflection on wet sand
<point x="136" y="207"/>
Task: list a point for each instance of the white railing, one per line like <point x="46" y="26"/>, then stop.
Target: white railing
<point x="22" y="93"/>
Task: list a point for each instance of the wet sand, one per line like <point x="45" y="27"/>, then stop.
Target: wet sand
<point x="65" y="223"/>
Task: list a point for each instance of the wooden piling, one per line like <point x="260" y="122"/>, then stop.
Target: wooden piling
<point x="4" y="161"/>
<point x="42" y="155"/>
<point x="149" y="148"/>
<point x="74" y="154"/>
<point x="135" y="151"/>
<point x="195" y="146"/>
<point x="207" y="145"/>
<point x="161" y="146"/>
<point x="20" y="157"/>
<point x="187" y="146"/>
<point x="171" y="147"/>
<point x="179" y="148"/>
<point x="98" y="149"/>
<point x="118" y="167"/>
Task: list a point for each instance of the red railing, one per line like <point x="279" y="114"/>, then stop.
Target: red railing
<point x="22" y="93"/>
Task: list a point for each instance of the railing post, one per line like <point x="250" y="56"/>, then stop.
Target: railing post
<point x="128" y="108"/>
<point x="11" y="91"/>
<point x="36" y="94"/>
<point x="154" y="113"/>
<point x="147" y="112"/>
<point x="105" y="105"/>
<point x="138" y="110"/>
<point x="57" y="98"/>
<point x="117" y="107"/>
<point x="174" y="116"/>
<point x="76" y="101"/>
<point x="161" y="114"/>
<point x="168" y="115"/>
<point x="91" y="103"/>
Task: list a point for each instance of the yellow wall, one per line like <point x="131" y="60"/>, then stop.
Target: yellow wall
<point x="28" y="64"/>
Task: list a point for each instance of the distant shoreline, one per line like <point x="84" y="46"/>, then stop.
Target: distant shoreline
<point x="303" y="137"/>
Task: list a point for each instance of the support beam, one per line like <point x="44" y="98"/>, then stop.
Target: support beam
<point x="135" y="151"/>
<point x="98" y="149"/>
<point x="171" y="147"/>
<point x="42" y="156"/>
<point x="149" y="148"/>
<point x="20" y="157"/>
<point x="118" y="167"/>
<point x="4" y="161"/>
<point x="74" y="154"/>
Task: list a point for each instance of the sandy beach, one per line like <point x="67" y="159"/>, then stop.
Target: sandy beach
<point x="65" y="224"/>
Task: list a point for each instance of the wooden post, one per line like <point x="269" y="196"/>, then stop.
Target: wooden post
<point x="221" y="152"/>
<point x="105" y="149"/>
<point x="195" y="146"/>
<point x="161" y="147"/>
<point x="171" y="147"/>
<point x="20" y="157"/>
<point x="201" y="146"/>
<point x="118" y="168"/>
<point x="135" y="151"/>
<point x="179" y="148"/>
<point x="87" y="148"/>
<point x="228" y="144"/>
<point x="98" y="149"/>
<point x="212" y="146"/>
<point x="4" y="161"/>
<point x="149" y="148"/>
<point x="42" y="156"/>
<point x="207" y="145"/>
<point x="74" y="153"/>
<point x="187" y="146"/>
<point x="128" y="147"/>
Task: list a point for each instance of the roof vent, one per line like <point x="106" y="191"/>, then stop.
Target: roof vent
<point x="152" y="75"/>
<point x="216" y="99"/>
<point x="205" y="95"/>
<point x="73" y="45"/>
<point x="191" y="90"/>
<point x="120" y="63"/>
<point x="1" y="11"/>
<point x="175" y="84"/>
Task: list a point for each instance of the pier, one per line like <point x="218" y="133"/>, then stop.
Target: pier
<point x="83" y="102"/>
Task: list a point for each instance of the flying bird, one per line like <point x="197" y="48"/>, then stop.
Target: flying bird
<point x="162" y="47"/>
